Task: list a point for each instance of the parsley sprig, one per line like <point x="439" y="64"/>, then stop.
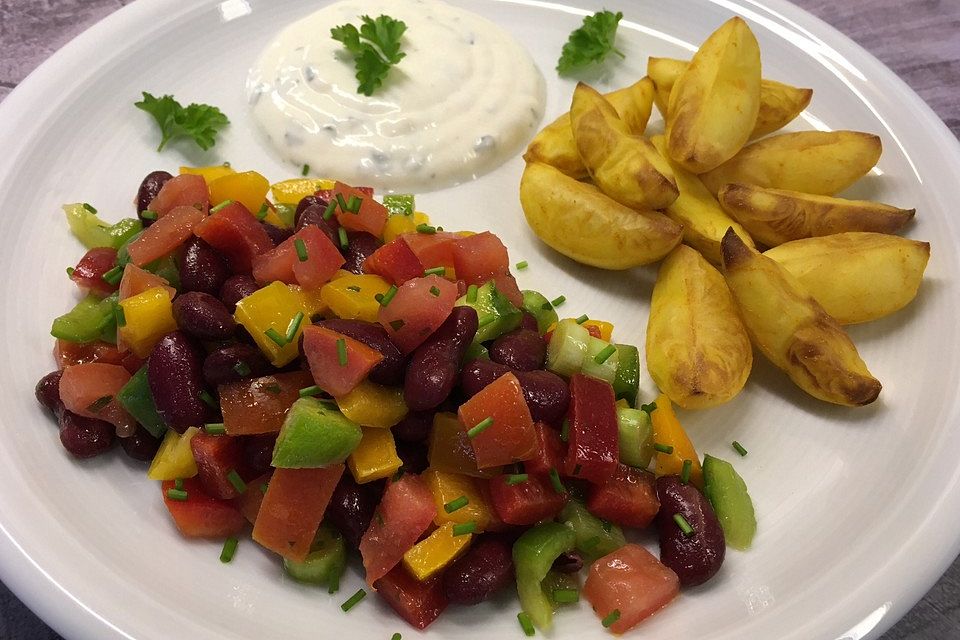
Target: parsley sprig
<point x="375" y="48"/>
<point x="201" y="122"/>
<point x="591" y="42"/>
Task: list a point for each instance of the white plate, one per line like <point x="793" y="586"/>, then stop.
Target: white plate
<point x="857" y="508"/>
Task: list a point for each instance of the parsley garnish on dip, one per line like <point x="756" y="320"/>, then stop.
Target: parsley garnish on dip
<point x="464" y="98"/>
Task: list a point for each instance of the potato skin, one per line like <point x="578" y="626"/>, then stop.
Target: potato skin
<point x="775" y="216"/>
<point x="577" y="220"/>
<point x="818" y="162"/>
<point x="714" y="103"/>
<point x="698" y="351"/>
<point x="791" y="328"/>
<point x="856" y="276"/>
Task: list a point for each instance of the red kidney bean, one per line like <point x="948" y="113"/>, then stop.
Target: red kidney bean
<point x="360" y="246"/>
<point x="141" y="445"/>
<point x="434" y="368"/>
<point x="231" y="363"/>
<point x="235" y="289"/>
<point x="48" y="392"/>
<point x="413" y="455"/>
<point x="546" y="393"/>
<point x="351" y="508"/>
<point x="529" y="321"/>
<point x="85" y="437"/>
<point x="258" y="453"/>
<point x="149" y="188"/>
<point x="522" y="350"/>
<point x="202" y="316"/>
<point x="309" y="201"/>
<point x="568" y="562"/>
<point x="202" y="268"/>
<point x="276" y="234"/>
<point x="695" y="558"/>
<point x="389" y="371"/>
<point x="312" y="214"/>
<point x="175" y="375"/>
<point x="485" y="568"/>
<point x="415" y="426"/>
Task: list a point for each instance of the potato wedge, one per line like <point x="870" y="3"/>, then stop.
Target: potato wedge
<point x="791" y="328"/>
<point x="625" y="167"/>
<point x="704" y="220"/>
<point x="818" y="162"/>
<point x="780" y="103"/>
<point x="698" y="351"/>
<point x="577" y="220"/>
<point x="714" y="103"/>
<point x="856" y="276"/>
<point x="775" y="216"/>
<point x="555" y="145"/>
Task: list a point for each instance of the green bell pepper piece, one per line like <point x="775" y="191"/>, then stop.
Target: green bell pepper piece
<point x="537" y="305"/>
<point x="594" y="537"/>
<point x="533" y="555"/>
<point x="627" y="382"/>
<point x="727" y="492"/>
<point x="314" y="434"/>
<point x="92" y="232"/>
<point x="636" y="437"/>
<point x="137" y="399"/>
<point x="287" y="213"/>
<point x="476" y="351"/>
<point x="91" y="319"/>
<point x="495" y="313"/>
<point x="325" y="563"/>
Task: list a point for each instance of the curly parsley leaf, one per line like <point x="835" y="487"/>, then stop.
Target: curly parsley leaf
<point x="591" y="42"/>
<point x="375" y="48"/>
<point x="201" y="122"/>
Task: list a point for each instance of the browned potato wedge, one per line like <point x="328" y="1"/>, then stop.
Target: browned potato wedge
<point x="774" y="216"/>
<point x="714" y="103"/>
<point x="555" y="145"/>
<point x="625" y="167"/>
<point x="577" y="220"/>
<point x="856" y="277"/>
<point x="791" y="328"/>
<point x="698" y="351"/>
<point x="704" y="220"/>
<point x="818" y="162"/>
<point x="780" y="103"/>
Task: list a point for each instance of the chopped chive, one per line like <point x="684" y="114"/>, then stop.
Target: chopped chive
<point x="683" y="524"/>
<point x="89" y="207"/>
<point x="612" y="617"/>
<point x="605" y="354"/>
<point x="353" y="204"/>
<point x="566" y="596"/>
<point x="396" y="325"/>
<point x="435" y="292"/>
<point x="590" y="543"/>
<point x="178" y="483"/>
<point x="486" y="320"/>
<point x="480" y="427"/>
<point x="472" y="293"/>
<point x="229" y="550"/>
<point x="342" y="352"/>
<point x="425" y="228"/>
<point x="177" y="494"/>
<point x="262" y="211"/>
<point x="274" y="335"/>
<point x="342" y="236"/>
<point x="301" y="248"/>
<point x="294" y="326"/>
<point x="306" y="392"/>
<point x="305" y="170"/>
<point x="215" y="428"/>
<point x="648" y="408"/>
<point x="663" y="448"/>
<point x="353" y="600"/>
<point x="121" y="316"/>
<point x="565" y="430"/>
<point x="522" y="265"/>
<point x="576" y="470"/>
<point x="264" y="487"/>
<point x="685" y="471"/>
<point x="454" y="505"/>
<point x="516" y="478"/>
<point x="396" y="636"/>
<point x="220" y="206"/>
<point x="607" y="525"/>
<point x="582" y="319"/>
<point x="385" y="299"/>
<point x="330" y="210"/>
<point x="464" y="528"/>
<point x="237" y="481"/>
<point x="147" y="214"/>
<point x="342" y="203"/>
<point x="526" y="624"/>
<point x="273" y="388"/>
<point x="334" y="583"/>
<point x="70" y="271"/>
<point x="435" y="271"/>
<point x="113" y="275"/>
<point x="739" y="448"/>
<point x="208" y="399"/>
<point x="555" y="481"/>
<point x="242" y="368"/>
<point x="559" y="300"/>
<point x="546" y="306"/>
<point x="97" y="405"/>
<point x="353" y="288"/>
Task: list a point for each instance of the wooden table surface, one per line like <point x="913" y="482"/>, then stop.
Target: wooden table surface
<point x="918" y="39"/>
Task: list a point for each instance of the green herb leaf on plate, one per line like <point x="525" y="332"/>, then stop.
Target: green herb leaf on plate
<point x="200" y="122"/>
<point x="591" y="42"/>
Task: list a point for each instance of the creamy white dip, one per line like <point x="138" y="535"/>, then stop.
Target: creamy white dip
<point x="466" y="97"/>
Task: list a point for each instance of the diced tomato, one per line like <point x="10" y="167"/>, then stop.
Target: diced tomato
<point x="136" y="280"/>
<point x="507" y="285"/>
<point x="250" y="500"/>
<point x="88" y="274"/>
<point x="185" y="190"/>
<point x="293" y="507"/>
<point x="433" y="249"/>
<point x="480" y="257"/>
<point x="337" y="370"/>
<point x="528" y="502"/>
<point x="594" y="444"/>
<point x="419" y="603"/>
<point x="237" y="234"/>
<point x="216" y="457"/>
<point x="367" y="191"/>
<point x="405" y="513"/>
<point x="260" y="405"/>
<point x="632" y="581"/>
<point x="201" y="515"/>
<point x="165" y="235"/>
<point x="372" y="216"/>
<point x="70" y="353"/>
<point x="510" y="437"/>
<point x="395" y="262"/>
<point x="90" y="390"/>
<point x="415" y="312"/>
<point x="629" y="498"/>
<point x="284" y="264"/>
<point x="549" y="454"/>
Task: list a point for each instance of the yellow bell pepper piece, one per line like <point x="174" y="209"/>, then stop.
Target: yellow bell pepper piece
<point x="210" y="173"/>
<point x="429" y="556"/>
<point x="447" y="487"/>
<point x="667" y="431"/>
<point x="248" y="188"/>
<point x="375" y="457"/>
<point x="399" y="224"/>
<point x="310" y="300"/>
<point x="343" y="299"/>
<point x="174" y="458"/>
<point x="148" y="317"/>
<point x="295" y="190"/>
<point x="606" y="329"/>
<point x="449" y="448"/>
<point x="273" y="307"/>
<point x="371" y="405"/>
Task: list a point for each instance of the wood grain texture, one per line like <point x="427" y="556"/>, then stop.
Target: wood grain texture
<point x="918" y="39"/>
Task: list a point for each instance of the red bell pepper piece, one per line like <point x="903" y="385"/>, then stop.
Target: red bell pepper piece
<point x="165" y="235"/>
<point x="480" y="257"/>
<point x="528" y="502"/>
<point x="395" y="262"/>
<point x="216" y="457"/>
<point x="419" y="603"/>
<point x="594" y="446"/>
<point x="201" y="515"/>
<point x="186" y="190"/>
<point x="510" y="437"/>
<point x="236" y="233"/>
<point x="283" y="262"/>
<point x="88" y="274"/>
<point x="549" y="454"/>
<point x="372" y="216"/>
<point x="629" y="498"/>
<point x="334" y="370"/>
<point x="415" y="312"/>
<point x="292" y="509"/>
